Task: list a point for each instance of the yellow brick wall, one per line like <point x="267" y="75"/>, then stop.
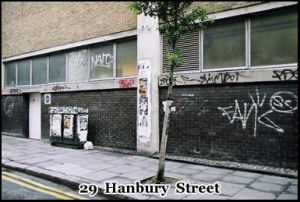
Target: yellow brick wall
<point x="32" y="26"/>
<point x="214" y="6"/>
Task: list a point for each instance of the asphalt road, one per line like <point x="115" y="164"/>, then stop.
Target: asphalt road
<point x="20" y="186"/>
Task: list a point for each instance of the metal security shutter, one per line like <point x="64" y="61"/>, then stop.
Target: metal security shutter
<point x="190" y="51"/>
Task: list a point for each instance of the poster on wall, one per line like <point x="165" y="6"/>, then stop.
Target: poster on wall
<point x="55" y="126"/>
<point x="82" y="127"/>
<point x="68" y="126"/>
<point x="144" y="100"/>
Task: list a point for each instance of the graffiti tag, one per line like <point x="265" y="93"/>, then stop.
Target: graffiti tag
<point x="104" y="59"/>
<point x="220" y="78"/>
<point x="280" y="102"/>
<point x="286" y="74"/>
<point x="126" y="83"/>
<point x="60" y="88"/>
<point x="15" y="91"/>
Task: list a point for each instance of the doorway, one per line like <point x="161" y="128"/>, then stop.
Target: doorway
<point x="35" y="116"/>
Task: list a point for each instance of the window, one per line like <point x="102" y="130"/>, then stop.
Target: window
<point x="126" y="58"/>
<point x="10" y="74"/>
<point x="39" y="70"/>
<point x="99" y="61"/>
<point x="23" y="72"/>
<point x="273" y="40"/>
<point x="258" y="40"/>
<point x="57" y="68"/>
<point x="102" y="61"/>
<point x="78" y="65"/>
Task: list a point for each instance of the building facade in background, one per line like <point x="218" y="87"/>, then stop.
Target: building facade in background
<point x="236" y="99"/>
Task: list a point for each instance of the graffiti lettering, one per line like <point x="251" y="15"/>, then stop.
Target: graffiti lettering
<point x="126" y="83"/>
<point x="15" y="91"/>
<point x="220" y="78"/>
<point x="60" y="88"/>
<point x="286" y="74"/>
<point x="76" y="59"/>
<point x="281" y="102"/>
<point x="105" y="60"/>
<point x="176" y="81"/>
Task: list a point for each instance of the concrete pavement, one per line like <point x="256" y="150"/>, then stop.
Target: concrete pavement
<point x="73" y="167"/>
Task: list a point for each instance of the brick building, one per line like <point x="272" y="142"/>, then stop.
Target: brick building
<point x="236" y="98"/>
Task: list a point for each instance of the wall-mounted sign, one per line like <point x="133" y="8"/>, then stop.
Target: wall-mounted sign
<point x="47" y="99"/>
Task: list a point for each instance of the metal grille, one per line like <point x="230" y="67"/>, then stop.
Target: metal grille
<point x="190" y="51"/>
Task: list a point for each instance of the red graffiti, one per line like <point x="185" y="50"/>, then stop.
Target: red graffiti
<point x="126" y="83"/>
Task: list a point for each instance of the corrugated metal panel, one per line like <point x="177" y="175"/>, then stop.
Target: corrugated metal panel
<point x="190" y="51"/>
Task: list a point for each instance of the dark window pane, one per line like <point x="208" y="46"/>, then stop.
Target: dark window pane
<point x="24" y="72"/>
<point x="57" y="68"/>
<point x="224" y="45"/>
<point x="10" y="74"/>
<point x="39" y="70"/>
<point x="126" y="58"/>
<point x="274" y="39"/>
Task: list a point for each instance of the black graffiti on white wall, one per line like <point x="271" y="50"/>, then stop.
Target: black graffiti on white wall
<point x="207" y="78"/>
<point x="225" y="77"/>
<point x="15" y="91"/>
<point x="280" y="102"/>
<point x="60" y="88"/>
<point x="286" y="74"/>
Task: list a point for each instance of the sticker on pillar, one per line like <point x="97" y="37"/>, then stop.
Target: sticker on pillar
<point x="47" y="99"/>
<point x="144" y="67"/>
<point x="143" y="87"/>
<point x="82" y="129"/>
<point x="68" y="126"/>
<point x="55" y="126"/>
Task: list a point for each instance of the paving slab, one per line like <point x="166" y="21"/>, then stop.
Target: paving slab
<point x="229" y="189"/>
<point x="253" y="194"/>
<point x="276" y="179"/>
<point x="286" y="196"/>
<point x="121" y="169"/>
<point x="207" y="177"/>
<point x="246" y="174"/>
<point x="292" y="189"/>
<point x="237" y="179"/>
<point x="99" y="176"/>
<point x="269" y="187"/>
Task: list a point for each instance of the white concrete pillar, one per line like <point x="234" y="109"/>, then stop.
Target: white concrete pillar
<point x="149" y="57"/>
